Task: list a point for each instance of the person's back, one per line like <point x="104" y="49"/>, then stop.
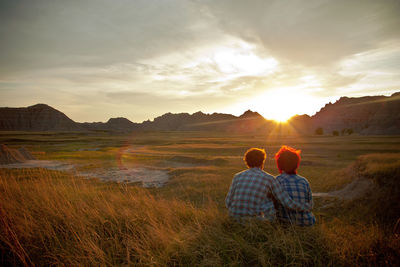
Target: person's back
<point x="253" y="191"/>
<point x="251" y="196"/>
<point x="299" y="190"/>
<point x="297" y="187"/>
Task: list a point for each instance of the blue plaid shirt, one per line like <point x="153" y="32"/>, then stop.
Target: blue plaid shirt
<point x="299" y="190"/>
<point x="252" y="194"/>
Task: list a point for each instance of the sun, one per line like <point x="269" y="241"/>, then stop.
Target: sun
<point x="282" y="117"/>
<point x="283" y="103"/>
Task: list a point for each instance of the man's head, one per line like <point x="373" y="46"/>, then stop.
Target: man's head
<point x="255" y="157"/>
<point x="288" y="159"/>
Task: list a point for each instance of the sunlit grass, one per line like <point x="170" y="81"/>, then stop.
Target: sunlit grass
<point x="54" y="218"/>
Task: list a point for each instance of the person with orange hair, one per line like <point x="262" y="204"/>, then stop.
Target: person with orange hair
<point x="253" y="191"/>
<point x="298" y="188"/>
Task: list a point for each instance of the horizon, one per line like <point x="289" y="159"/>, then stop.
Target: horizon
<point x="206" y="113"/>
<point x="96" y="60"/>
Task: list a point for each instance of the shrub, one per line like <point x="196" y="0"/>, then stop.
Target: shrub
<point x="319" y="131"/>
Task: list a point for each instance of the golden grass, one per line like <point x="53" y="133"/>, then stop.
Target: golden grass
<point x="62" y="219"/>
<point x="54" y="218"/>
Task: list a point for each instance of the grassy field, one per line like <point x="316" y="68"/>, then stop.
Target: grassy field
<point x="55" y="218"/>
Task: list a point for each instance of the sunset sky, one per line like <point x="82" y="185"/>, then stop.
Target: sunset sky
<point x="98" y="59"/>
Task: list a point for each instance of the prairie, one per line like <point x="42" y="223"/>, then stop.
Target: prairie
<point x="54" y="217"/>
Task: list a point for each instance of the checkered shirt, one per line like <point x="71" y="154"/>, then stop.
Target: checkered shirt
<point x="252" y="192"/>
<point x="299" y="190"/>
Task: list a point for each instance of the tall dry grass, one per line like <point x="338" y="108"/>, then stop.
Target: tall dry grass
<point x="53" y="218"/>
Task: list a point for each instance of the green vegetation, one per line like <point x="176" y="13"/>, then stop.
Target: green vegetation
<point x="54" y="218"/>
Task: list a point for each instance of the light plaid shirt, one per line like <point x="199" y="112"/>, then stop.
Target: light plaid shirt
<point x="251" y="195"/>
<point x="299" y="190"/>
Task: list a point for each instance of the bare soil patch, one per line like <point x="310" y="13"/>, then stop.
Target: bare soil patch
<point x="46" y="164"/>
<point x="144" y="176"/>
<point x="354" y="190"/>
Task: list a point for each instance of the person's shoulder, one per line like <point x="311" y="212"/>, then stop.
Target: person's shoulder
<point x="257" y="172"/>
<point x="302" y="179"/>
<point x="241" y="173"/>
<point x="265" y="175"/>
<point x="282" y="177"/>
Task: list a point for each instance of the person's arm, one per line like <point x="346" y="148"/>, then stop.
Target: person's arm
<point x="309" y="196"/>
<point x="228" y="199"/>
<point x="283" y="197"/>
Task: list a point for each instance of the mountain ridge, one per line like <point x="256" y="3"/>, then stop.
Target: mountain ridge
<point x="363" y="115"/>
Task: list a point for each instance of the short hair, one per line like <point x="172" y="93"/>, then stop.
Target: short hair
<point x="255" y="157"/>
<point x="288" y="159"/>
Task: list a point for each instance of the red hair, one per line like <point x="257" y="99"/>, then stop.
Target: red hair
<point x="288" y="159"/>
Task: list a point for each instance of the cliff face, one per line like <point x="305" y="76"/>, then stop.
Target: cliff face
<point x="364" y="115"/>
<point x="39" y="117"/>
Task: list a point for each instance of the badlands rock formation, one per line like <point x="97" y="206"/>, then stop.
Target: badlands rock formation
<point x="39" y="117"/>
<point x="365" y="115"/>
<point x="11" y="156"/>
<point x="368" y="115"/>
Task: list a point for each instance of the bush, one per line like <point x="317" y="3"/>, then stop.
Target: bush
<point x="319" y="131"/>
<point x="335" y="133"/>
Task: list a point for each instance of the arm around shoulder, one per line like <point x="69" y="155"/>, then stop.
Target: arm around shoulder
<point x="283" y="197"/>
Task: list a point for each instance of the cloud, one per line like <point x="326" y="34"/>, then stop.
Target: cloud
<point x="143" y="58"/>
<point x="311" y="32"/>
<point x="46" y="34"/>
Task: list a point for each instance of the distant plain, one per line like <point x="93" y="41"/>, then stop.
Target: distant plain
<point x="200" y="167"/>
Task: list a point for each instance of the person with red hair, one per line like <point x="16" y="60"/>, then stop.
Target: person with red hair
<point x="253" y="191"/>
<point x="298" y="188"/>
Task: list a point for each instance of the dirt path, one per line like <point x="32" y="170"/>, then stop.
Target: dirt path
<point x="145" y="176"/>
<point x="356" y="189"/>
<point x="46" y="164"/>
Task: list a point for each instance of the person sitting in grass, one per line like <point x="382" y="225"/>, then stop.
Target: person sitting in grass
<point x="298" y="188"/>
<point x="253" y="191"/>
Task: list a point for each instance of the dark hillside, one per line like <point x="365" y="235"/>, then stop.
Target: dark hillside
<point x="364" y="115"/>
<point x="39" y="117"/>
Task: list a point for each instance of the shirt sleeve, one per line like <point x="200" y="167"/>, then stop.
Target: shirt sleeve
<point x="282" y="196"/>
<point x="309" y="196"/>
<point x="228" y="199"/>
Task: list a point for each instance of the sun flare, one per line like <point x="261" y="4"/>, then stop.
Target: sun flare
<point x="283" y="103"/>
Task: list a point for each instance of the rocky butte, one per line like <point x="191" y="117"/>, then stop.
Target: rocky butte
<point x="40" y="117"/>
<point x="369" y="115"/>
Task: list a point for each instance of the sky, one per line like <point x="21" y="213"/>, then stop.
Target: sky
<point x="97" y="59"/>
